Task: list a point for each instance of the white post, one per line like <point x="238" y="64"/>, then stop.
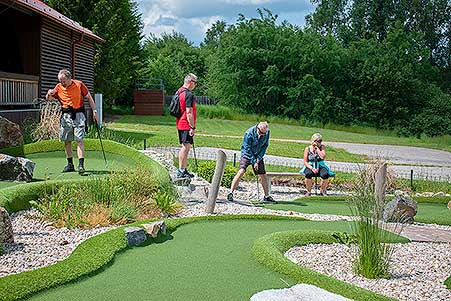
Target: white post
<point x="99" y="107"/>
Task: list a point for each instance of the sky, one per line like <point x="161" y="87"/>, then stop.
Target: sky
<point x="193" y="18"/>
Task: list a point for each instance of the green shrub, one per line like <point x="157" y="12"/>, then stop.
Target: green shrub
<point x="119" y="198"/>
<point x="2" y="249"/>
<point x="373" y="250"/>
<point x="167" y="203"/>
<point x="448" y="282"/>
<point x="206" y="170"/>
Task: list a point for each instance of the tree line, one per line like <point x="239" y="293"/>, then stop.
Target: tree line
<point x="381" y="63"/>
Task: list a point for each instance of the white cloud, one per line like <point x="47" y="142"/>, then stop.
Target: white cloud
<point x="193" y="18"/>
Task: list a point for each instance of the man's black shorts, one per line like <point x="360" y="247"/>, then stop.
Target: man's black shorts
<point x="184" y="137"/>
<point x="244" y="163"/>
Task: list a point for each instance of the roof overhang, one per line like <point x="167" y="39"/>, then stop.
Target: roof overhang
<point x="48" y="12"/>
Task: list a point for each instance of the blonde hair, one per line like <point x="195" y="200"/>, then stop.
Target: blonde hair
<point x="316" y="136"/>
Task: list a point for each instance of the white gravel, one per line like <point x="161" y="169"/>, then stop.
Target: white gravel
<point x="417" y="270"/>
<point x="37" y="243"/>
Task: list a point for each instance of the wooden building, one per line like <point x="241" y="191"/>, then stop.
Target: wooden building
<point x="37" y="42"/>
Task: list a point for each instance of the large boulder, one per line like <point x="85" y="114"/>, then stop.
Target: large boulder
<point x="16" y="169"/>
<point x="6" y="228"/>
<point x="402" y="209"/>
<point x="10" y="134"/>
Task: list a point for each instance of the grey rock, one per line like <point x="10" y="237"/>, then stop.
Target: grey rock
<point x="6" y="228"/>
<point x="449" y="205"/>
<point x="402" y="209"/>
<point x="135" y="236"/>
<point x="298" y="292"/>
<point x="16" y="169"/>
<point x="10" y="134"/>
<point x="154" y="228"/>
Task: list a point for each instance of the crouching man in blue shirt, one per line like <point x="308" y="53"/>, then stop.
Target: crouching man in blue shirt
<point x="255" y="143"/>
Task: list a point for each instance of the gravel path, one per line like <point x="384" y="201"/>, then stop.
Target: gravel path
<point x="417" y="270"/>
<point x="442" y="173"/>
<point x="397" y="154"/>
<point x="37" y="243"/>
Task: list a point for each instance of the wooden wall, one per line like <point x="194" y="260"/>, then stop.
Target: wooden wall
<point x="56" y="54"/>
<point x="148" y="102"/>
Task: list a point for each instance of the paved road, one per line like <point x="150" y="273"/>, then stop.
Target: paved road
<point x="401" y="155"/>
<point x="423" y="172"/>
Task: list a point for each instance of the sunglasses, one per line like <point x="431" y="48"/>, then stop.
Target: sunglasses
<point x="318" y="141"/>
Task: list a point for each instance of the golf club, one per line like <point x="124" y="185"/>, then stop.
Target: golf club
<point x="195" y="159"/>
<point x="101" y="144"/>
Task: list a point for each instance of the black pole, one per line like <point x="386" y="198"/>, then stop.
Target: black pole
<point x="145" y="143"/>
<point x="101" y="144"/>
<point x="234" y="159"/>
<point x="411" y="179"/>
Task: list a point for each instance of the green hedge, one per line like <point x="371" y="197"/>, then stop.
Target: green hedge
<point x="90" y="256"/>
<point x="206" y="170"/>
<point x="269" y="250"/>
<point x="17" y="197"/>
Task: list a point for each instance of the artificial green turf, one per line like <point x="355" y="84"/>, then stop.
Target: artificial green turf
<point x="201" y="261"/>
<point x="431" y="213"/>
<point x="50" y="164"/>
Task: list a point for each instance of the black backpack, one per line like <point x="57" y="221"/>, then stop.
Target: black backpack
<point x="174" y="105"/>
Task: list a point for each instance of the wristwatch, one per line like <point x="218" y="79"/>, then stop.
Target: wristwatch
<point x="193" y="128"/>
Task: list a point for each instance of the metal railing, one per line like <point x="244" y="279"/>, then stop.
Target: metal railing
<point x="18" y="89"/>
<point x="200" y="100"/>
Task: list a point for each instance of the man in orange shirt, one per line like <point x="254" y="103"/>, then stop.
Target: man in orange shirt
<point x="71" y="94"/>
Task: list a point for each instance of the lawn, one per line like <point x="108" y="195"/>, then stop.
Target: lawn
<point x="200" y="261"/>
<point x="283" y="130"/>
<point x="160" y="131"/>
<point x="431" y="213"/>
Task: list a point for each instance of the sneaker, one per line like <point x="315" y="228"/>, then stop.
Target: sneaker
<point x="187" y="173"/>
<point x="81" y="170"/>
<point x="307" y="194"/>
<point x="230" y="197"/>
<point x="269" y="199"/>
<point x="182" y="175"/>
<point x="324" y="193"/>
<point x="69" y="168"/>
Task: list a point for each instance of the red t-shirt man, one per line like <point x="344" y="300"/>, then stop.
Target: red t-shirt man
<point x="186" y="124"/>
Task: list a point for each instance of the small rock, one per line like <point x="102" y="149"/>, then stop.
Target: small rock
<point x="401" y="209"/>
<point x="439" y="194"/>
<point x="135" y="236"/>
<point x="154" y="228"/>
<point x="64" y="242"/>
<point x="449" y="205"/>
